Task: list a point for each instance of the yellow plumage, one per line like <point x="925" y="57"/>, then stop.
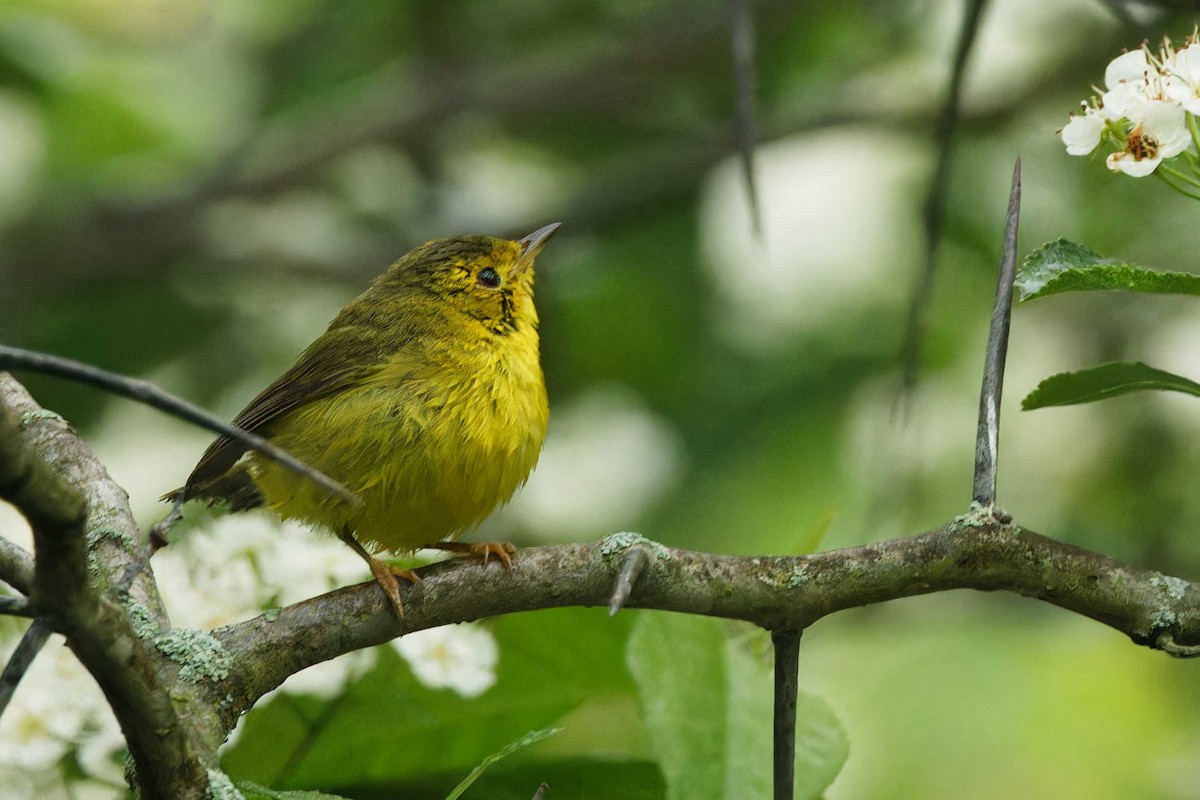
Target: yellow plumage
<point x="424" y="397"/>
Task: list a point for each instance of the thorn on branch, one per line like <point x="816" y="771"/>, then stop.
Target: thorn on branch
<point x="987" y="437"/>
<point x="787" y="676"/>
<point x="1166" y="643"/>
<point x="633" y="564"/>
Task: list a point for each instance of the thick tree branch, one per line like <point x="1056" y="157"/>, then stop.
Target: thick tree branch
<point x="773" y="592"/>
<point x="49" y="476"/>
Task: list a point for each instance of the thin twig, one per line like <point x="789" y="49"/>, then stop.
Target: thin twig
<point x="741" y="24"/>
<point x="31" y="643"/>
<point x="935" y="200"/>
<point x="16" y="566"/>
<point x="541" y="792"/>
<point x="787" y="667"/>
<point x="987" y="437"/>
<point x="151" y="395"/>
<point x="15" y="607"/>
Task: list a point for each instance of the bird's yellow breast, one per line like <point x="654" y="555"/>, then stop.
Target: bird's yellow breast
<point x="432" y="442"/>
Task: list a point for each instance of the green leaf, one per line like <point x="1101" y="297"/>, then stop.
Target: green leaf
<point x="509" y="749"/>
<point x="300" y="742"/>
<point x="1104" y="381"/>
<point x="252" y="791"/>
<point x="1062" y="266"/>
<point x="707" y="706"/>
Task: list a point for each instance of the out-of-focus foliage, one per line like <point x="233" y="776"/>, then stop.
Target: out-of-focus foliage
<point x="190" y="189"/>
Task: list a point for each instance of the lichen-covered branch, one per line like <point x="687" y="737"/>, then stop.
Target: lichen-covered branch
<point x="774" y="592"/>
<point x="49" y="475"/>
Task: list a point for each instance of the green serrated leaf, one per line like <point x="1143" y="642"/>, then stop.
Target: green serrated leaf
<point x="707" y="703"/>
<point x="1104" y="381"/>
<point x="1063" y="266"/>
<point x="525" y="741"/>
<point x="252" y="791"/>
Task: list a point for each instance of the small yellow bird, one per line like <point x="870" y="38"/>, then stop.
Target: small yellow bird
<point x="424" y="397"/>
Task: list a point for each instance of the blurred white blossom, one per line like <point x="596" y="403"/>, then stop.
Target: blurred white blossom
<point x="607" y="458"/>
<point x="56" y="708"/>
<point x="458" y="657"/>
<point x="327" y="679"/>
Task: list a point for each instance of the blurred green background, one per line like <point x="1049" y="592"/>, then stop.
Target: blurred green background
<point x="189" y="191"/>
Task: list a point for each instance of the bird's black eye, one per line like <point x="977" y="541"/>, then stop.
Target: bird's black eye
<point x="489" y="278"/>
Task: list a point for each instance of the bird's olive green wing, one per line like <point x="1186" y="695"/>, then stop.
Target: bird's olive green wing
<point x="341" y="357"/>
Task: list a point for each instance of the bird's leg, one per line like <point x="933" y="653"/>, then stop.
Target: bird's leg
<point x="385" y="574"/>
<point x="503" y="551"/>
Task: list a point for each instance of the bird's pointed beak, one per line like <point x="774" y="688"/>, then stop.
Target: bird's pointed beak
<point x="533" y="244"/>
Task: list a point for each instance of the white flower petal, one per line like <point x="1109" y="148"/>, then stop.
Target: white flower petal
<point x="1082" y="134"/>
<point x="1136" y="168"/>
<point x="1129" y="67"/>
<point x="1183" y="81"/>
<point x="1165" y="124"/>
<point x="1123" y="100"/>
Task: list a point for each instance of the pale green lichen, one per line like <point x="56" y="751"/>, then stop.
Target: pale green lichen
<point x="1164" y="618"/>
<point x="98" y="533"/>
<point x="980" y="516"/>
<point x="619" y="542"/>
<point x="1172" y="587"/>
<point x="799" y="576"/>
<point x="200" y="657"/>
<point x="41" y="413"/>
<point x="220" y="787"/>
<point x="271" y="614"/>
<point x="141" y="619"/>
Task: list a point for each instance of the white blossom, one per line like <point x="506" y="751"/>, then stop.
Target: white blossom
<point x="1182" y="83"/>
<point x="459" y="657"/>
<point x="1083" y="133"/>
<point x="1159" y="132"/>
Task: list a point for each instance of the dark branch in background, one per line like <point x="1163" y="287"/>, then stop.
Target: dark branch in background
<point x="741" y="24"/>
<point x="787" y="678"/>
<point x="987" y="437"/>
<point x="935" y="200"/>
<point x="31" y="643"/>
<point x="147" y="393"/>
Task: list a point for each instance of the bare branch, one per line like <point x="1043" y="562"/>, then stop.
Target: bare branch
<point x="31" y="643"/>
<point x="16" y="566"/>
<point x="787" y="666"/>
<point x="151" y="395"/>
<point x="987" y="437"/>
